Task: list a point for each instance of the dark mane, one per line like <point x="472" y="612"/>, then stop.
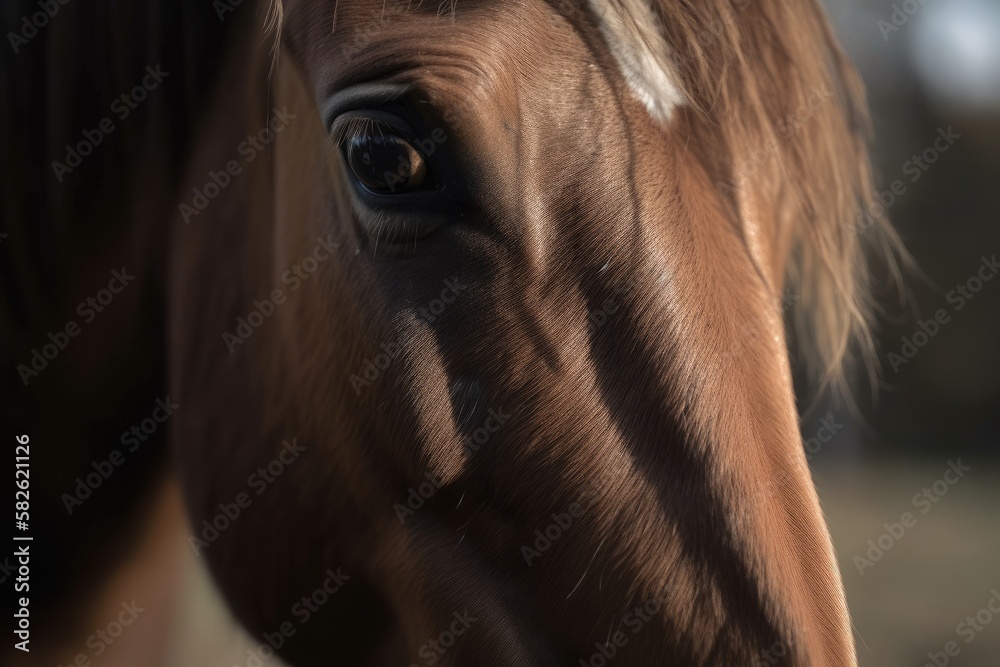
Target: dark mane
<point x="66" y="231"/>
<point x="753" y="71"/>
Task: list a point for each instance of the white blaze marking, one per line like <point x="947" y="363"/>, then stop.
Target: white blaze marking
<point x="632" y="35"/>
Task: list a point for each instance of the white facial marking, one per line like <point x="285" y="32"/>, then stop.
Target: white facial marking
<point x="635" y="41"/>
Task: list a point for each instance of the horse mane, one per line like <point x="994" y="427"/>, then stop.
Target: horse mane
<point x="61" y="235"/>
<point x="747" y="69"/>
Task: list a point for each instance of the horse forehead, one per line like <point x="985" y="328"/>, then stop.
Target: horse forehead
<point x="629" y="30"/>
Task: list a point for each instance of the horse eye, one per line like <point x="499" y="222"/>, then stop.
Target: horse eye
<point x="382" y="161"/>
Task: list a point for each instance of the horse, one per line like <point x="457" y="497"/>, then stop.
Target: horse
<point x="475" y="312"/>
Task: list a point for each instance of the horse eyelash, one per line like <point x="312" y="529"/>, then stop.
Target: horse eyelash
<point x="352" y="127"/>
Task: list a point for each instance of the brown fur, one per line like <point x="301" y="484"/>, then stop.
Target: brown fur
<point x="673" y="421"/>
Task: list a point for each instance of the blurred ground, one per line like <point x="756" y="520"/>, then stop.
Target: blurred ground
<point x="940" y="571"/>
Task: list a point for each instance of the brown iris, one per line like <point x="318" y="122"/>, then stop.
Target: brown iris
<point x="382" y="161"/>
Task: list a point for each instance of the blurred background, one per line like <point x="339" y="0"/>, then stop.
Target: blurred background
<point x="932" y="68"/>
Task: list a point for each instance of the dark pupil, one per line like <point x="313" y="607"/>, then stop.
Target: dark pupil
<point x="383" y="161"/>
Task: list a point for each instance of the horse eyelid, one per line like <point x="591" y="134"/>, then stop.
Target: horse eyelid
<point x="358" y="98"/>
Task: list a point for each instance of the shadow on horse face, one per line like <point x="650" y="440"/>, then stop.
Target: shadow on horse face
<point x="542" y="374"/>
